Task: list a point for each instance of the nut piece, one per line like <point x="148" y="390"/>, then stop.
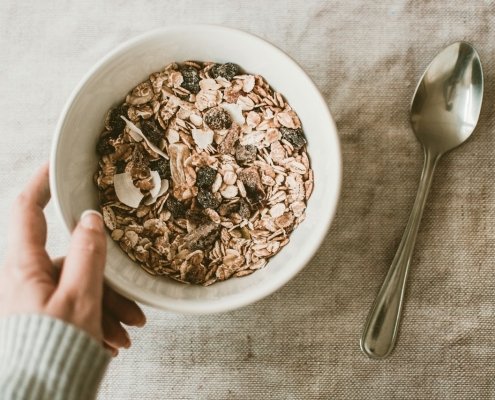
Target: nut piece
<point x="245" y="154"/>
<point x="252" y="182"/>
<point x="202" y="238"/>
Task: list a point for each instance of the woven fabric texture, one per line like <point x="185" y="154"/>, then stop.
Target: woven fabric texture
<point x="303" y="341"/>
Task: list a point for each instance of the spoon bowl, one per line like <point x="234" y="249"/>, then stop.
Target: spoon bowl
<point x="447" y="102"/>
<point x="444" y="112"/>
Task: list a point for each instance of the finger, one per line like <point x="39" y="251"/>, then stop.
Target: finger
<point x="112" y="350"/>
<point x="28" y="221"/>
<point x="57" y="264"/>
<point x="124" y="310"/>
<point x="114" y="333"/>
<point x="82" y="272"/>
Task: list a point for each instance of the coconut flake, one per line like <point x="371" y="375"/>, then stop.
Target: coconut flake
<point x="125" y="190"/>
<point x="138" y="131"/>
<point x="135" y="136"/>
<point x="163" y="188"/>
<point x="203" y="138"/>
<point x="235" y="112"/>
<point x="164" y="185"/>
<point x="134" y="131"/>
<point x="155" y="178"/>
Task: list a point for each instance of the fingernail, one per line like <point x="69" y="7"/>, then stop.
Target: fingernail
<point x="92" y="219"/>
<point x="141" y="321"/>
<point x="128" y="342"/>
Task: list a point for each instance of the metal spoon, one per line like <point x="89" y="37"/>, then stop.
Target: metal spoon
<point x="444" y="112"/>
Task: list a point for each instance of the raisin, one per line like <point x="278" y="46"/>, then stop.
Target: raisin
<point x="218" y="118"/>
<point x="104" y="147"/>
<point x="294" y="136"/>
<point x="176" y="208"/>
<point x="162" y="166"/>
<point x="227" y="71"/>
<point x="120" y="166"/>
<point x="228" y="208"/>
<point x="116" y="122"/>
<point x="205" y="176"/>
<point x="245" y="154"/>
<point x="197" y="217"/>
<point x="152" y="131"/>
<point x="206" y="199"/>
<point x="191" y="79"/>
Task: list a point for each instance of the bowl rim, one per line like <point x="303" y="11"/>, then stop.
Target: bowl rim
<point x="255" y="293"/>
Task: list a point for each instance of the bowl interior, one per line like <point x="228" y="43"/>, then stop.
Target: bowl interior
<point x="74" y="160"/>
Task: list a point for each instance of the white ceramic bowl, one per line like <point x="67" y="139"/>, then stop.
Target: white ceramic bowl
<point x="74" y="161"/>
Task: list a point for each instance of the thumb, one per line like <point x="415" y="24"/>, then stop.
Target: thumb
<point x="82" y="273"/>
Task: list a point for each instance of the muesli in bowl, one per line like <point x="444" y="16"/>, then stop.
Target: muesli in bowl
<point x="203" y="172"/>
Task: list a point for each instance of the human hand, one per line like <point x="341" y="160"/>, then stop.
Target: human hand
<point x="69" y="289"/>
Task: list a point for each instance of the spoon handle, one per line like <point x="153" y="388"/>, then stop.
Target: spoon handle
<point x="381" y="328"/>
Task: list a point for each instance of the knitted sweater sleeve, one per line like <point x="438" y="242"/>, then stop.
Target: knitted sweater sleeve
<point x="46" y="358"/>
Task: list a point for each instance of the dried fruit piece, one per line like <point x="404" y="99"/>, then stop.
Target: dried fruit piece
<point x="203" y="237"/>
<point x="191" y="79"/>
<point x="206" y="199"/>
<point x="227" y="71"/>
<point x="104" y="147"/>
<point x="217" y="118"/>
<point x="162" y="166"/>
<point x="152" y="131"/>
<point x="176" y="208"/>
<point x="228" y="208"/>
<point x="250" y="177"/>
<point x="228" y="144"/>
<point x="205" y="176"/>
<point x="115" y="122"/>
<point x="120" y="166"/>
<point x="294" y="136"/>
<point x="138" y="131"/>
<point x="245" y="154"/>
<point x="197" y="217"/>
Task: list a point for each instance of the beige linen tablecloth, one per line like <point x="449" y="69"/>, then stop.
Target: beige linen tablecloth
<point x="301" y="342"/>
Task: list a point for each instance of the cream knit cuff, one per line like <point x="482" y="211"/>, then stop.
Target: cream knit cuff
<point x="46" y="358"/>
